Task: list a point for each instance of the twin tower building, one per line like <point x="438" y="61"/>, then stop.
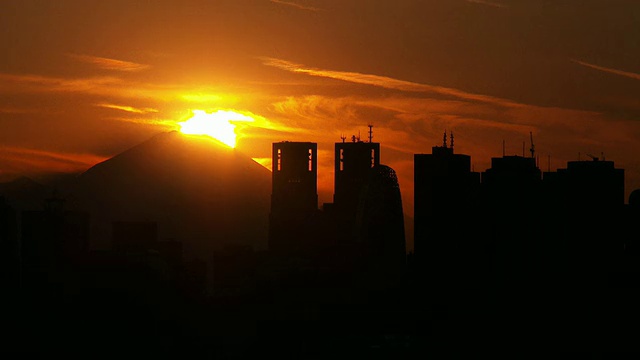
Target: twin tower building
<point x="363" y="224"/>
<point x="511" y="224"/>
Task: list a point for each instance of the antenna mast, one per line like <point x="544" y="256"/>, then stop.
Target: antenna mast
<point x="532" y="149"/>
<point x="370" y="132"/>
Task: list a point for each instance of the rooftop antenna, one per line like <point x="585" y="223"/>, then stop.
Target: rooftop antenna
<point x="444" y="139"/>
<point x="358" y="135"/>
<point x="343" y="138"/>
<point x="451" y="136"/>
<point x="532" y="149"/>
<point x="370" y="132"/>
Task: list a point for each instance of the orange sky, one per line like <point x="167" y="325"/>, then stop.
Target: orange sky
<point x="81" y="81"/>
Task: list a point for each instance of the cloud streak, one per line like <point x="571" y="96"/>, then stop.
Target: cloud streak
<point x="487" y="3"/>
<point x="109" y="86"/>
<point x="19" y="160"/>
<point x="386" y="82"/>
<point x="627" y="74"/>
<point x="45" y="83"/>
<point x="296" y="5"/>
<point x="109" y="64"/>
<point x="130" y="109"/>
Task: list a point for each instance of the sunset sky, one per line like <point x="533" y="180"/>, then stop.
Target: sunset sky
<point x="81" y="81"/>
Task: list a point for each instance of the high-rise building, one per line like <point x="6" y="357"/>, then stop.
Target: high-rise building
<point x="9" y="246"/>
<point x="294" y="196"/>
<point x="353" y="163"/>
<point x="588" y="211"/>
<point x="445" y="191"/>
<point x="380" y="223"/>
<point x="53" y="240"/>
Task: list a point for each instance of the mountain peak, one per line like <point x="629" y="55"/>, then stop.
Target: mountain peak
<point x="197" y="189"/>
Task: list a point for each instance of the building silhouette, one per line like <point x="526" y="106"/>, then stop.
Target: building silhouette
<point x="134" y="236"/>
<point x="294" y="196"/>
<point x="362" y="229"/>
<point x="515" y="226"/>
<point x="53" y="241"/>
<point x="587" y="218"/>
<point x="9" y="246"/>
<point x="445" y="200"/>
<point x="500" y="249"/>
<point x="352" y="170"/>
<point x="512" y="206"/>
<point x="379" y="224"/>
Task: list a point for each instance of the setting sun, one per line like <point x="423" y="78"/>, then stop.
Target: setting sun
<point x="219" y="125"/>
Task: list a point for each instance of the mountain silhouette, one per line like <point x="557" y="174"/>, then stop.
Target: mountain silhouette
<point x="199" y="192"/>
<point x="25" y="193"/>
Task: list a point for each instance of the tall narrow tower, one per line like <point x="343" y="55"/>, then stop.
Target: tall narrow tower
<point x="444" y="188"/>
<point x="353" y="163"/>
<point x="294" y="195"/>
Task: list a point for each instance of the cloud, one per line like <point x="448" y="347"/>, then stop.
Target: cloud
<point x="112" y="87"/>
<point x="488" y="3"/>
<point x="630" y="75"/>
<point x="296" y="5"/>
<point x="19" y="160"/>
<point x="129" y="108"/>
<point x="386" y="82"/>
<point x="109" y="64"/>
<point x="45" y="83"/>
<point x="17" y="110"/>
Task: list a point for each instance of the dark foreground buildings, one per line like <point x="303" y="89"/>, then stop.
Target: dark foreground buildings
<point x="511" y="256"/>
<point x="363" y="229"/>
<point x="515" y="226"/>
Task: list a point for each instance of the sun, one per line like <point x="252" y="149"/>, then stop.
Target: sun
<point x="219" y="125"/>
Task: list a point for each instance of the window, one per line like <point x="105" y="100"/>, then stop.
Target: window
<point x="279" y="165"/>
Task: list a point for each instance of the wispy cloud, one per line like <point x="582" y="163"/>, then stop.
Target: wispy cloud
<point x="108" y="86"/>
<point x="628" y="74"/>
<point x="20" y="160"/>
<point x="17" y="110"/>
<point x="130" y="109"/>
<point x="296" y="5"/>
<point x="488" y="3"/>
<point x="45" y="83"/>
<point x="385" y="82"/>
<point x="109" y="64"/>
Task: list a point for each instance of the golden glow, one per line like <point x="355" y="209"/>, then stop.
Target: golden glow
<point x="201" y="97"/>
<point x="218" y="125"/>
<point x="266" y="162"/>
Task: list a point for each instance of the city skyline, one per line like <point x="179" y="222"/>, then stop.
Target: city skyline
<point x="82" y="82"/>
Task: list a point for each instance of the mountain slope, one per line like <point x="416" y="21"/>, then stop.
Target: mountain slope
<point x="199" y="191"/>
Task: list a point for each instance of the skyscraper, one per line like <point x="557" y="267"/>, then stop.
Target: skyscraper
<point x="353" y="163"/>
<point x="444" y="198"/>
<point x="294" y="196"/>
<point x="380" y="222"/>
